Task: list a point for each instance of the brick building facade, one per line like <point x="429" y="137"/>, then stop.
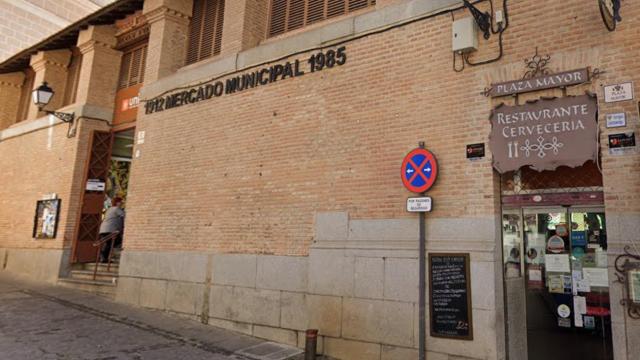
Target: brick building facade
<point x="25" y="22"/>
<point x="266" y="198"/>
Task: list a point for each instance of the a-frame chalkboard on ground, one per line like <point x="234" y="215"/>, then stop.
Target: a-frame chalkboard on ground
<point x="450" y="296"/>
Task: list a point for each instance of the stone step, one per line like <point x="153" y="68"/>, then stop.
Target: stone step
<point x="101" y="267"/>
<point x="110" y="276"/>
<point x="102" y="288"/>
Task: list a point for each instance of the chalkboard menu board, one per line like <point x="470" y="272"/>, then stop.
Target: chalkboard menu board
<point x="450" y="296"/>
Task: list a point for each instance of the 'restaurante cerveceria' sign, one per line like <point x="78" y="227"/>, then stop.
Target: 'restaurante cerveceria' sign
<point x="544" y="134"/>
<point x="549" y="81"/>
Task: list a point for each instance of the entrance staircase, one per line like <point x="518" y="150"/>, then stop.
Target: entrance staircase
<point x="81" y="277"/>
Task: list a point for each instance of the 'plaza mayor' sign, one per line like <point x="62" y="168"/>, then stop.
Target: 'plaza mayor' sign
<point x="544" y="134"/>
<point x="566" y="78"/>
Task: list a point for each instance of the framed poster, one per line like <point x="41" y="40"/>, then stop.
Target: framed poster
<point x="450" y="296"/>
<point x="45" y="223"/>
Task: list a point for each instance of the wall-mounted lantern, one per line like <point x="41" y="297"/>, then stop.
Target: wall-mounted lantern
<point x="628" y="273"/>
<point x="610" y="12"/>
<point x="41" y="97"/>
<point x="482" y="19"/>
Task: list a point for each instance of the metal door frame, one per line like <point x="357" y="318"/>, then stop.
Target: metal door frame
<point x="520" y="210"/>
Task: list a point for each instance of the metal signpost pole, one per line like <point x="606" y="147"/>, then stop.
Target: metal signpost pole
<point x="422" y="295"/>
<point x="421" y="286"/>
<point x="419" y="172"/>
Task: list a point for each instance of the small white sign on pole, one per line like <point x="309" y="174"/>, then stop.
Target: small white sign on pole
<point x="419" y="204"/>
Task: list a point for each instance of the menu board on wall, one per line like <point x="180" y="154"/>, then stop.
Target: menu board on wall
<point x="450" y="296"/>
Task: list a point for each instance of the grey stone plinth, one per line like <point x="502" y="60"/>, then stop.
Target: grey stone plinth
<point x="304" y="311"/>
<point x="128" y="290"/>
<point x="401" y="279"/>
<point x="282" y="273"/>
<point x="234" y="269"/>
<point x="352" y="350"/>
<point x="283" y="336"/>
<point x="245" y="305"/>
<point x="387" y="322"/>
<point x="187" y="266"/>
<point x="153" y="293"/>
<point x="369" y="277"/>
<point x="332" y="226"/>
<point x="331" y="272"/>
<point x="384" y="230"/>
<point x="184" y="297"/>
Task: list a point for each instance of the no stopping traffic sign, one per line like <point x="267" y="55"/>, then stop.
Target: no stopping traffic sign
<point x="419" y="170"/>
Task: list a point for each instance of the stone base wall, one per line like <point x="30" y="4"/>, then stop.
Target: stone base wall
<point x="622" y="230"/>
<point x="35" y="264"/>
<point x="358" y="286"/>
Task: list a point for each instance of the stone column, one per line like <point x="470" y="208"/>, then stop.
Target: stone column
<point x="100" y="67"/>
<point x="10" y="91"/>
<point x="245" y="25"/>
<point x="168" y="34"/>
<point x="50" y="66"/>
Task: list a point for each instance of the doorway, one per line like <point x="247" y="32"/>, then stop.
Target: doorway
<point x="120" y="166"/>
<point x="107" y="177"/>
<point x="556" y="279"/>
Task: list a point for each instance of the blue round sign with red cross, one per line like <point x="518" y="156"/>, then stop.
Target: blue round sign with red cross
<point x="419" y="170"/>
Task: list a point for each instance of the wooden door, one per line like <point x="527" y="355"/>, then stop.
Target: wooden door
<point x="92" y="200"/>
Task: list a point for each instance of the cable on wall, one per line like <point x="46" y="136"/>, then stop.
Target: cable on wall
<point x="500" y="31"/>
<point x="322" y="47"/>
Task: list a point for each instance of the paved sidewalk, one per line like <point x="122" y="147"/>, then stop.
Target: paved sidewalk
<point x="48" y="322"/>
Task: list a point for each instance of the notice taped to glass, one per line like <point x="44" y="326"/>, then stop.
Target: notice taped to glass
<point x="450" y="296"/>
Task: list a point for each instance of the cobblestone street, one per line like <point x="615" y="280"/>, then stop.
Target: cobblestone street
<point x="45" y="322"/>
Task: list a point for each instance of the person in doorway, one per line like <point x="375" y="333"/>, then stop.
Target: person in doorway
<point x="113" y="223"/>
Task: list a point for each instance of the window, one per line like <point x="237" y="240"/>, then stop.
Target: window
<point x="287" y="15"/>
<point x="25" y="96"/>
<point x="205" y="34"/>
<point x="133" y="65"/>
<point x="73" y="75"/>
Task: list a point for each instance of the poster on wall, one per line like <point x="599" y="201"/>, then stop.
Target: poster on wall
<point x="544" y="134"/>
<point x="45" y="224"/>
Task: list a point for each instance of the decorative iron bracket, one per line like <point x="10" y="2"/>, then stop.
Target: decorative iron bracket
<point x="65" y="117"/>
<point x="482" y="19"/>
<point x="595" y="73"/>
<point x="536" y="66"/>
<point x="625" y="263"/>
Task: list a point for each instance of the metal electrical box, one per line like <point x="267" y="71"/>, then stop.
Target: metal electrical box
<point x="465" y="35"/>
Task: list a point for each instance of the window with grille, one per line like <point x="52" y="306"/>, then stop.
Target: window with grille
<point x="25" y="96"/>
<point x="73" y="76"/>
<point x="205" y="33"/>
<point x="132" y="68"/>
<point x="287" y="15"/>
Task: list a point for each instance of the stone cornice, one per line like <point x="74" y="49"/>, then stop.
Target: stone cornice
<point x="44" y="63"/>
<point x="92" y="45"/>
<point x="9" y="84"/>
<point x="165" y="13"/>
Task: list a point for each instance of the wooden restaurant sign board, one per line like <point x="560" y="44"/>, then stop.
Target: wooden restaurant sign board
<point x="561" y="79"/>
<point x="544" y="134"/>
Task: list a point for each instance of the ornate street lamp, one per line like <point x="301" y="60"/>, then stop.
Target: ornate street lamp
<point x="41" y="97"/>
<point x="483" y="19"/>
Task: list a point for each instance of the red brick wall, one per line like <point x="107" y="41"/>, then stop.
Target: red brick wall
<point x="246" y="172"/>
<point x="30" y="169"/>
